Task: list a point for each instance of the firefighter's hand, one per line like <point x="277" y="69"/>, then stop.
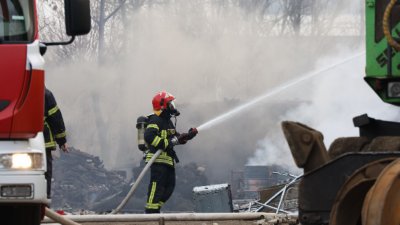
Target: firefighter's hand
<point x="183" y="138"/>
<point x="64" y="147"/>
<point x="178" y="140"/>
<point x="192" y="133"/>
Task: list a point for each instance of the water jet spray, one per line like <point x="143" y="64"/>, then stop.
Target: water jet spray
<point x="221" y="118"/>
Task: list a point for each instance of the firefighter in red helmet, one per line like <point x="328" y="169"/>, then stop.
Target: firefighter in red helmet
<point x="161" y="134"/>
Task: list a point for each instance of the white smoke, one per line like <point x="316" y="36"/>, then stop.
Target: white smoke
<point x="331" y="101"/>
<point x="204" y="54"/>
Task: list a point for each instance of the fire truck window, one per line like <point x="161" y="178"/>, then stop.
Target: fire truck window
<point x="16" y="21"/>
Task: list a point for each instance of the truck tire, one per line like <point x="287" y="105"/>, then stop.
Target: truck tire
<point x="21" y="214"/>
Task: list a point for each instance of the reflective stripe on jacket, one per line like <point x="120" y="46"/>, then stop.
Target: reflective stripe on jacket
<point x="54" y="128"/>
<point x="158" y="132"/>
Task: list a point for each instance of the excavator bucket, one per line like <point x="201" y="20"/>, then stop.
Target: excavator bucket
<point x="336" y="182"/>
<point x="306" y="145"/>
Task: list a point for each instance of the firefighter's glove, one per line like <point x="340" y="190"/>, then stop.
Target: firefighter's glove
<point x="183" y="138"/>
<point x="192" y="133"/>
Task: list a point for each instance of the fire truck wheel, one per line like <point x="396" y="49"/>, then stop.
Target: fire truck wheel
<point x="20" y="214"/>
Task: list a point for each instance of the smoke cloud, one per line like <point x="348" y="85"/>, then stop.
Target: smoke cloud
<point x="211" y="59"/>
<point x="335" y="98"/>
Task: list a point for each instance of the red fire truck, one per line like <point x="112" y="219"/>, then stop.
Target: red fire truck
<point x="22" y="152"/>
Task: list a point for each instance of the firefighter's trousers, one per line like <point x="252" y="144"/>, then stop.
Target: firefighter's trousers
<point x="49" y="173"/>
<point x="162" y="184"/>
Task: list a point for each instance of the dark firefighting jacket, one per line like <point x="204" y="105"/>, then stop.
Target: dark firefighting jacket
<point x="157" y="134"/>
<point x="54" y="128"/>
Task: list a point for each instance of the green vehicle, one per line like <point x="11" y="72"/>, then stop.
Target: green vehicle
<point x="383" y="62"/>
<point x="356" y="181"/>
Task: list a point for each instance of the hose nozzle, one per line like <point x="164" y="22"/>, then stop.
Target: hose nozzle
<point x="193" y="131"/>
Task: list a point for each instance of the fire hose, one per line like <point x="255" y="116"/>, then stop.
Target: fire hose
<point x="65" y="221"/>
<point x="58" y="218"/>
<point x="136" y="184"/>
<point x="187" y="136"/>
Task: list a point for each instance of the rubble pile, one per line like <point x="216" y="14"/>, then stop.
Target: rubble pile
<point x="80" y="181"/>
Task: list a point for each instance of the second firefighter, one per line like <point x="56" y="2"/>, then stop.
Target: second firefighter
<point x="54" y="134"/>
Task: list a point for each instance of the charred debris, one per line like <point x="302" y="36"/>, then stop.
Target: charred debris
<point x="81" y="184"/>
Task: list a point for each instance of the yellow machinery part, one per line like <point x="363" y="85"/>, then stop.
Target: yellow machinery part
<point x="382" y="204"/>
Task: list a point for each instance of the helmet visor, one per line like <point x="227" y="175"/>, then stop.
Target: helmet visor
<point x="172" y="108"/>
<point x="171" y="105"/>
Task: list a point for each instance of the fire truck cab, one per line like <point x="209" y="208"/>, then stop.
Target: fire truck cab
<point x="22" y="150"/>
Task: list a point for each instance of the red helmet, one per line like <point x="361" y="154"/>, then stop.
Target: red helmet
<point x="161" y="100"/>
